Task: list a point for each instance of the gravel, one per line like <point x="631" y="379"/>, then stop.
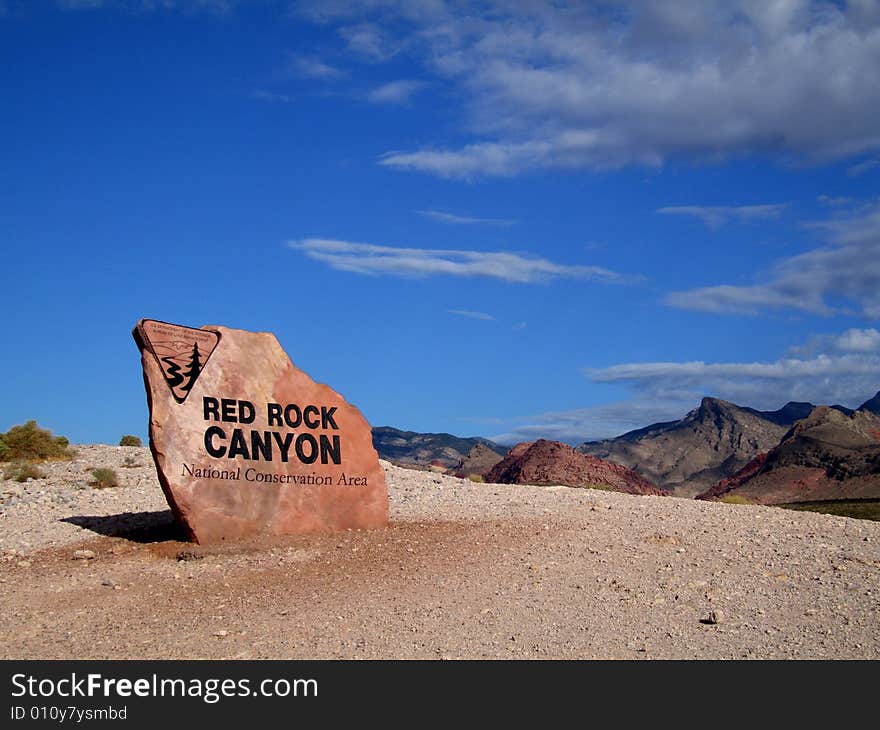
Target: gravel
<point x="465" y="570"/>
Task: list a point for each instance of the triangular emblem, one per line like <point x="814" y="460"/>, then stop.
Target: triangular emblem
<point x="182" y="352"/>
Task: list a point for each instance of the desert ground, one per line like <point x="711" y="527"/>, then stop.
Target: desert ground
<point x="465" y="570"/>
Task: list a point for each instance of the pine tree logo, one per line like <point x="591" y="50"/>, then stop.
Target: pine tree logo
<point x="193" y="369"/>
<point x="182" y="353"/>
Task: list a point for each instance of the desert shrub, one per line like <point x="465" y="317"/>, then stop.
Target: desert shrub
<point x="129" y="463"/>
<point x="21" y="472"/>
<point x="476" y="478"/>
<point x="30" y="442"/>
<point x="4" y="450"/>
<point x="734" y="499"/>
<point x="103" y="478"/>
<point x="129" y="440"/>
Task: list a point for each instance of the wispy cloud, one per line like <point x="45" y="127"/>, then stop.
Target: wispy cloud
<point x="820" y="281"/>
<point x="214" y="6"/>
<point x="859" y="340"/>
<point x="395" y="92"/>
<point x="842" y="368"/>
<point x="835" y="201"/>
<point x="852" y="340"/>
<point x="80" y="4"/>
<point x="311" y="67"/>
<point x="848" y="378"/>
<point x="476" y="160"/>
<point x="261" y="95"/>
<point x="788" y="369"/>
<point x="369" y="41"/>
<point x="861" y="168"/>
<point x="588" y="424"/>
<point x="461" y="220"/>
<point x="601" y="85"/>
<point x="365" y="258"/>
<point x="472" y="315"/>
<point x="715" y="216"/>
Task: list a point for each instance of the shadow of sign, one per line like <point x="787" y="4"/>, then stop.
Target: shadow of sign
<point x="140" y="527"/>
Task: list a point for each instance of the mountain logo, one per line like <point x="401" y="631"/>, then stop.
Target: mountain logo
<point x="182" y="352"/>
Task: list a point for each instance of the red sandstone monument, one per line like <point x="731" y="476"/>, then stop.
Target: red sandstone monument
<point x="246" y="444"/>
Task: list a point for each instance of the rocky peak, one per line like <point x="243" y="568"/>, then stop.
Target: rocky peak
<point x="872" y="405"/>
<point x="789" y="413"/>
<point x="716" y="414"/>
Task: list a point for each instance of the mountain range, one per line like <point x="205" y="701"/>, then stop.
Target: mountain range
<point x="711" y="443"/>
<point x="692" y="454"/>
<point x="800" y="452"/>
<point x="409" y="448"/>
<point x="826" y="455"/>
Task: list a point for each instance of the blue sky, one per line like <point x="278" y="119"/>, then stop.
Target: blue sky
<point x="500" y="219"/>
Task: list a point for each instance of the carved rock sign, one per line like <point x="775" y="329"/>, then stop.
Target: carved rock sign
<point x="247" y="444"/>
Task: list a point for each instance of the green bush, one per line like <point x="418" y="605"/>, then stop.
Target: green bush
<point x="21" y="472"/>
<point x="734" y="499"/>
<point x="30" y="442"/>
<point x="129" y="440"/>
<point x="476" y="478"/>
<point x="104" y="478"/>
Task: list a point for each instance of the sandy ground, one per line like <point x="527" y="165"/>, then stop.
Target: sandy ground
<point x="464" y="571"/>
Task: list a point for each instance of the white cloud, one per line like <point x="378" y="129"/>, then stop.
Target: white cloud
<point x="714" y="216"/>
<point x="589" y="424"/>
<point x="841" y="368"/>
<point x="395" y="92"/>
<point x="369" y="41"/>
<point x="261" y="95"/>
<point x="856" y="340"/>
<point x="818" y="281"/>
<point x="863" y="167"/>
<point x="788" y="369"/>
<point x="476" y="160"/>
<point x="314" y="68"/>
<point x="852" y="340"/>
<point x="472" y="315"/>
<point x="215" y="6"/>
<point x="835" y="201"/>
<point x="80" y="4"/>
<point x="608" y="84"/>
<point x="365" y="258"/>
<point x="848" y="378"/>
<point x="461" y="220"/>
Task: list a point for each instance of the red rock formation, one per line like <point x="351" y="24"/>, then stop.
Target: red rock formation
<point x="552" y="462"/>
